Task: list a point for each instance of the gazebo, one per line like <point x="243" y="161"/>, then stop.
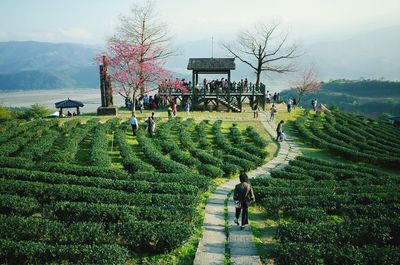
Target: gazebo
<point x="210" y="66"/>
<point x="231" y="97"/>
<point x="396" y="120"/>
<point x="68" y="104"/>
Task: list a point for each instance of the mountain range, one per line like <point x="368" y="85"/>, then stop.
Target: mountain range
<point x="40" y="65"/>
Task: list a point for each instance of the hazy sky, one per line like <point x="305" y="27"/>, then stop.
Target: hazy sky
<point x="92" y="21"/>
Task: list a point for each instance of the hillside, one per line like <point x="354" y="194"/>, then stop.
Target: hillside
<point x="372" y="54"/>
<point x="40" y="65"/>
<point x="370" y="97"/>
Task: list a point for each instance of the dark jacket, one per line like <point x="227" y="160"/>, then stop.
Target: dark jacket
<point x="243" y="193"/>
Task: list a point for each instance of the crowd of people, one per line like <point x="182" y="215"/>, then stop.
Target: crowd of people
<point x="210" y="86"/>
<point x="275" y="98"/>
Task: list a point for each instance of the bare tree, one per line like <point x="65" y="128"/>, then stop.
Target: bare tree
<point x="264" y="50"/>
<point x="142" y="30"/>
<point x="307" y="83"/>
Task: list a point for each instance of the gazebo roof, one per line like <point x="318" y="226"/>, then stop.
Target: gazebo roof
<point x="69" y="103"/>
<point x="211" y="64"/>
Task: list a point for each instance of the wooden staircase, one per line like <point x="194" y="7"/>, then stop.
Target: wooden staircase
<point x="229" y="105"/>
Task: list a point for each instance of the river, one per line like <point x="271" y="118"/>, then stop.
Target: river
<point x="90" y="97"/>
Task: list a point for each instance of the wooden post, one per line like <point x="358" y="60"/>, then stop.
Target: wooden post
<point x="205" y="101"/>
<point x="102" y="87"/>
<point x="217" y="99"/>
<point x="262" y="88"/>
<point x="240" y="97"/>
<point x="229" y="91"/>
<point x="194" y="98"/>
<point x="252" y="96"/>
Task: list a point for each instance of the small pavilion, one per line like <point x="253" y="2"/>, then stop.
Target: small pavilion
<point x="69" y="104"/>
<point x="396" y="120"/>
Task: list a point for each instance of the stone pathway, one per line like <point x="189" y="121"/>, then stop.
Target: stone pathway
<point x="211" y="249"/>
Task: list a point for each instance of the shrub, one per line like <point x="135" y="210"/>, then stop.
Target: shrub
<point x="210" y="170"/>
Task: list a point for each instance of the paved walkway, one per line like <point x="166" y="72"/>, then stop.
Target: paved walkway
<point x="211" y="249"/>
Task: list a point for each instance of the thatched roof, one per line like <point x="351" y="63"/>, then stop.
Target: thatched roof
<point x="211" y="64"/>
<point x="69" y="103"/>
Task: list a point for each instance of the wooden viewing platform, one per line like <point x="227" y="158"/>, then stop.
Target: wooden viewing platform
<point x="231" y="96"/>
<point x="232" y="99"/>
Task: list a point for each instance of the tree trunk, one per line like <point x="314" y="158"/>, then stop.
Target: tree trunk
<point x="258" y="79"/>
<point x="134" y="102"/>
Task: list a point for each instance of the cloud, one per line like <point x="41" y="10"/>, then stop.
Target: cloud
<point x="77" y="34"/>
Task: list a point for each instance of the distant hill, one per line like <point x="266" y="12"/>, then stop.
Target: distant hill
<point x="369" y="97"/>
<point x="41" y="65"/>
<point x="370" y="55"/>
<point x="27" y="65"/>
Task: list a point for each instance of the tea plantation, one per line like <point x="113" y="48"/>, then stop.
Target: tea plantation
<point x="66" y="197"/>
<point x="340" y="211"/>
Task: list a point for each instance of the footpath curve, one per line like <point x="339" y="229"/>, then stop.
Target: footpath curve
<point x="215" y="240"/>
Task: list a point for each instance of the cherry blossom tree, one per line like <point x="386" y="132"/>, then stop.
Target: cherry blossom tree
<point x="138" y="51"/>
<point x="307" y="83"/>
<point x="130" y="72"/>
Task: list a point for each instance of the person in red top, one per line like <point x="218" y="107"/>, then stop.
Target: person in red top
<point x="174" y="111"/>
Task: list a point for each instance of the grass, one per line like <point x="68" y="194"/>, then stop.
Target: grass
<point x="113" y="152"/>
<point x="264" y="229"/>
<point x="227" y="259"/>
<point x="82" y="156"/>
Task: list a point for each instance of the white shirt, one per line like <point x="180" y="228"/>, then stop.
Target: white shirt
<point x="133" y="121"/>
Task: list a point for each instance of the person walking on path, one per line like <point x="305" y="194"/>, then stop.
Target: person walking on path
<point x="169" y="110"/>
<point x="174" y="110"/>
<point x="273" y="112"/>
<point x="314" y="104"/>
<point x="153" y="117"/>
<point x="282" y="137"/>
<point x="255" y="110"/>
<point x="243" y="195"/>
<point x="279" y="129"/>
<point x="134" y="124"/>
<point x="289" y="105"/>
<point x="187" y="107"/>
<point x="150" y="126"/>
<point x="140" y="105"/>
